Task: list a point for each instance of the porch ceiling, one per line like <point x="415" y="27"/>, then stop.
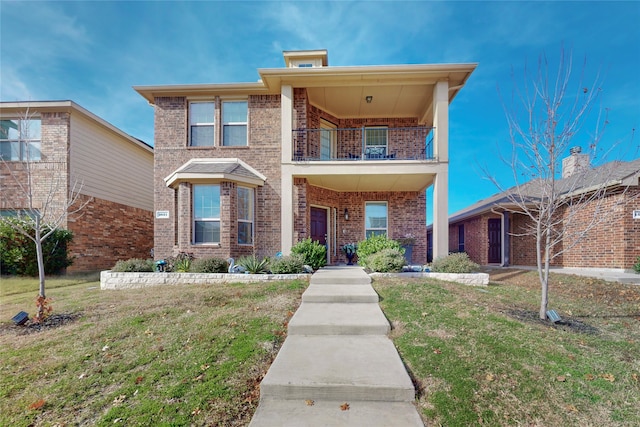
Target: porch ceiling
<point x="369" y="183"/>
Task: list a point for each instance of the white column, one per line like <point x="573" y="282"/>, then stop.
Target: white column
<point x="441" y="121"/>
<point x="440" y="214"/>
<point x="286" y="180"/>
<point x="441" y="184"/>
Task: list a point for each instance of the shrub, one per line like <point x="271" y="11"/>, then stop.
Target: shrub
<point x="253" y="264"/>
<point x="209" y="265"/>
<point x="314" y="253"/>
<point x="455" y="263"/>
<point x="18" y="252"/>
<point x="134" y="265"/>
<point x="179" y="263"/>
<point x="388" y="260"/>
<point x="636" y="266"/>
<point x="292" y="264"/>
<point x="375" y="244"/>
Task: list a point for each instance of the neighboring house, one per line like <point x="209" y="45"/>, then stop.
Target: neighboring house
<point x="110" y="168"/>
<point x="331" y="153"/>
<point x="490" y="235"/>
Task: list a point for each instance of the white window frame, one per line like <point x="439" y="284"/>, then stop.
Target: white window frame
<point x="381" y="150"/>
<point x="202" y="124"/>
<point x="225" y="124"/>
<point x="376" y="230"/>
<point x="26" y="145"/>
<point x="252" y="210"/>
<point x="205" y="219"/>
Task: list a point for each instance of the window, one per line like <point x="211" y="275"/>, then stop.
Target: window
<point x="245" y="216"/>
<point x="375" y="140"/>
<point x="201" y="124"/>
<point x="20" y="140"/>
<point x="461" y="238"/>
<point x="375" y="218"/>
<point x="234" y="123"/>
<point x="206" y="213"/>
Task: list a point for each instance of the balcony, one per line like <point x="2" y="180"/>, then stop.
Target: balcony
<point x="362" y="144"/>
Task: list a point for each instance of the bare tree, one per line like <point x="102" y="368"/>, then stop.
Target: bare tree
<point x="548" y="114"/>
<point x="42" y="195"/>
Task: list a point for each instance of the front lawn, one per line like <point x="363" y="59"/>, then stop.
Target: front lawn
<point x="479" y="356"/>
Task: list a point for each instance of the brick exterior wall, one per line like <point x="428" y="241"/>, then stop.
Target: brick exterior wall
<point x="407" y="211"/>
<point x="263" y="153"/>
<point x="613" y="243"/>
<point x="406" y="214"/>
<point x="105" y="232"/>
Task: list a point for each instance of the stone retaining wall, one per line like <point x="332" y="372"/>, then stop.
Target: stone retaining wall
<point x="471" y="279"/>
<point x="114" y="280"/>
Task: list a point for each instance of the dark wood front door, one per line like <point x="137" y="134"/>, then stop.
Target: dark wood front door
<point x="319" y="225"/>
<point x="495" y="240"/>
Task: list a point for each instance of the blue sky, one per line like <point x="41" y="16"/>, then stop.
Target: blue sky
<point x="94" y="52"/>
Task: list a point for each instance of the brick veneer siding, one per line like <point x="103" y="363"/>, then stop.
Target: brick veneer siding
<point x="406" y="214"/>
<point x="263" y="153"/>
<point x="105" y="232"/>
<point x="614" y="243"/>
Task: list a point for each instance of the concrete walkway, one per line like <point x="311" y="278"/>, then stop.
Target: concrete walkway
<point x="337" y="355"/>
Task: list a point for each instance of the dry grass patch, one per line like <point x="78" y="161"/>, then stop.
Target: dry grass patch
<point x="172" y="355"/>
<point x="482" y="357"/>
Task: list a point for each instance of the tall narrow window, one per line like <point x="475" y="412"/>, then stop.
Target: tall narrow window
<point x="375" y="141"/>
<point x="375" y="218"/>
<point x="20" y="140"/>
<point x="206" y="213"/>
<point x="245" y="216"/>
<point x="201" y="124"/>
<point x="234" y="123"/>
<point x="461" y="238"/>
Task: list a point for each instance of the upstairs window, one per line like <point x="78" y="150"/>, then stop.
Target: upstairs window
<point x="375" y="219"/>
<point x="245" y="216"/>
<point x="20" y="140"/>
<point x="375" y="141"/>
<point x="201" y="124"/>
<point x="206" y="213"/>
<point x="234" y="123"/>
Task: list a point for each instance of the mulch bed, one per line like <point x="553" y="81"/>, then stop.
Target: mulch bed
<point x="53" y="321"/>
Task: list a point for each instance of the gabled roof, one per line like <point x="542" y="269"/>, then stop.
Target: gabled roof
<point x="216" y="170"/>
<point x="610" y="174"/>
<point x="16" y="107"/>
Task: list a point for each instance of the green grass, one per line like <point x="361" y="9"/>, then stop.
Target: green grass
<point x="174" y="355"/>
<point x="194" y="355"/>
<point x="476" y="364"/>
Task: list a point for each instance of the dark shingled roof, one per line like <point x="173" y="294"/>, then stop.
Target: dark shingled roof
<point x="612" y="173"/>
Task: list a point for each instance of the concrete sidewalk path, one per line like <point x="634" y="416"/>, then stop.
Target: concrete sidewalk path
<point x="337" y="367"/>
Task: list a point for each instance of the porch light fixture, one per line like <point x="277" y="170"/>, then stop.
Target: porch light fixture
<point x="346" y="214"/>
<point x="368" y="98"/>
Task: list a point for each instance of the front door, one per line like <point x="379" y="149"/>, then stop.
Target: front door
<point x="495" y="240"/>
<point x="319" y="225"/>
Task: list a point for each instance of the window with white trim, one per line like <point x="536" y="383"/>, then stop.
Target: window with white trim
<point x="245" y="215"/>
<point x="375" y="219"/>
<point x="201" y="124"/>
<point x="234" y="123"/>
<point x="206" y="213"/>
<point x="375" y="141"/>
<point x="20" y="140"/>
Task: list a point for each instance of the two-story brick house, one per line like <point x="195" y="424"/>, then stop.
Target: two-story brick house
<point x="309" y="150"/>
<point x="69" y="149"/>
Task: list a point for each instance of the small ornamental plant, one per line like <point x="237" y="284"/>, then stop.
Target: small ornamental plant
<point x="408" y="239"/>
<point x="350" y="249"/>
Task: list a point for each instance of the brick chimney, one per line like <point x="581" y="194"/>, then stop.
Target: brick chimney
<point x="576" y="162"/>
